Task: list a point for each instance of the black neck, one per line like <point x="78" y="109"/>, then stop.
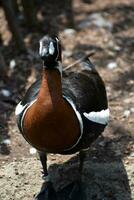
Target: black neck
<point x="50" y="64"/>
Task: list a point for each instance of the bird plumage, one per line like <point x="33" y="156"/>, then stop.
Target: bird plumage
<point x="84" y="88"/>
<point x="63" y="111"/>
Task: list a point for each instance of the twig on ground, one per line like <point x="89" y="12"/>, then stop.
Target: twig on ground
<point x="79" y="60"/>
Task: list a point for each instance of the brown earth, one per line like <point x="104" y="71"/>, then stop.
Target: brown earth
<point x="109" y="164"/>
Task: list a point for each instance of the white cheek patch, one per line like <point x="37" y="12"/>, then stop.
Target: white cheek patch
<point x="42" y="50"/>
<point x="51" y="48"/>
<point x="101" y="117"/>
<point x="19" y="108"/>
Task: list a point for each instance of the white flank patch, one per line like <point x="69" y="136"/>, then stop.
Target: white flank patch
<point x="19" y="108"/>
<point x="51" y="48"/>
<point x="101" y="117"/>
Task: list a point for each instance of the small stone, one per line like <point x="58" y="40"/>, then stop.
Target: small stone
<point x="69" y="32"/>
<point x="26" y="182"/>
<point x="117" y="48"/>
<point x="53" y="158"/>
<point x="16" y="172"/>
<point x="6" y="141"/>
<point x="132" y="110"/>
<point x="102" y="143"/>
<point x="97" y="20"/>
<point x="12" y="64"/>
<point x="126" y="113"/>
<point x="118" y="153"/>
<point x="126" y="162"/>
<point x="5" y="92"/>
<point x="32" y="150"/>
<point x="108" y="88"/>
<point x="112" y="65"/>
<point x="132" y="154"/>
<point x="94" y="157"/>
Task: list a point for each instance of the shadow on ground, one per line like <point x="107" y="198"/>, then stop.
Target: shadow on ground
<point x="104" y="175"/>
<point x="101" y="180"/>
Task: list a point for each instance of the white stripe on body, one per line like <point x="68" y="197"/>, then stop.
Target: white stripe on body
<point x="32" y="102"/>
<point x="79" y="119"/>
<point x="101" y="117"/>
<point x="19" y="108"/>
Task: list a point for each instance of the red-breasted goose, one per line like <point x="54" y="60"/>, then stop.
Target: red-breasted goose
<point x="62" y="112"/>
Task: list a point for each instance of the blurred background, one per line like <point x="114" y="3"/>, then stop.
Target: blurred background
<point x="107" y="27"/>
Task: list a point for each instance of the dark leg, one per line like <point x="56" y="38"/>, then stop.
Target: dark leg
<point x="82" y="186"/>
<point x="47" y="191"/>
<point x="43" y="159"/>
<point x="82" y="155"/>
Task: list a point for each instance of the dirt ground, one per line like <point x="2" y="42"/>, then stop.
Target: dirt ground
<point x="82" y="25"/>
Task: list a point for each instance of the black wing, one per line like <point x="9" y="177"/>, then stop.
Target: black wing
<point x="30" y="96"/>
<point x="85" y="87"/>
<point x="32" y="92"/>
